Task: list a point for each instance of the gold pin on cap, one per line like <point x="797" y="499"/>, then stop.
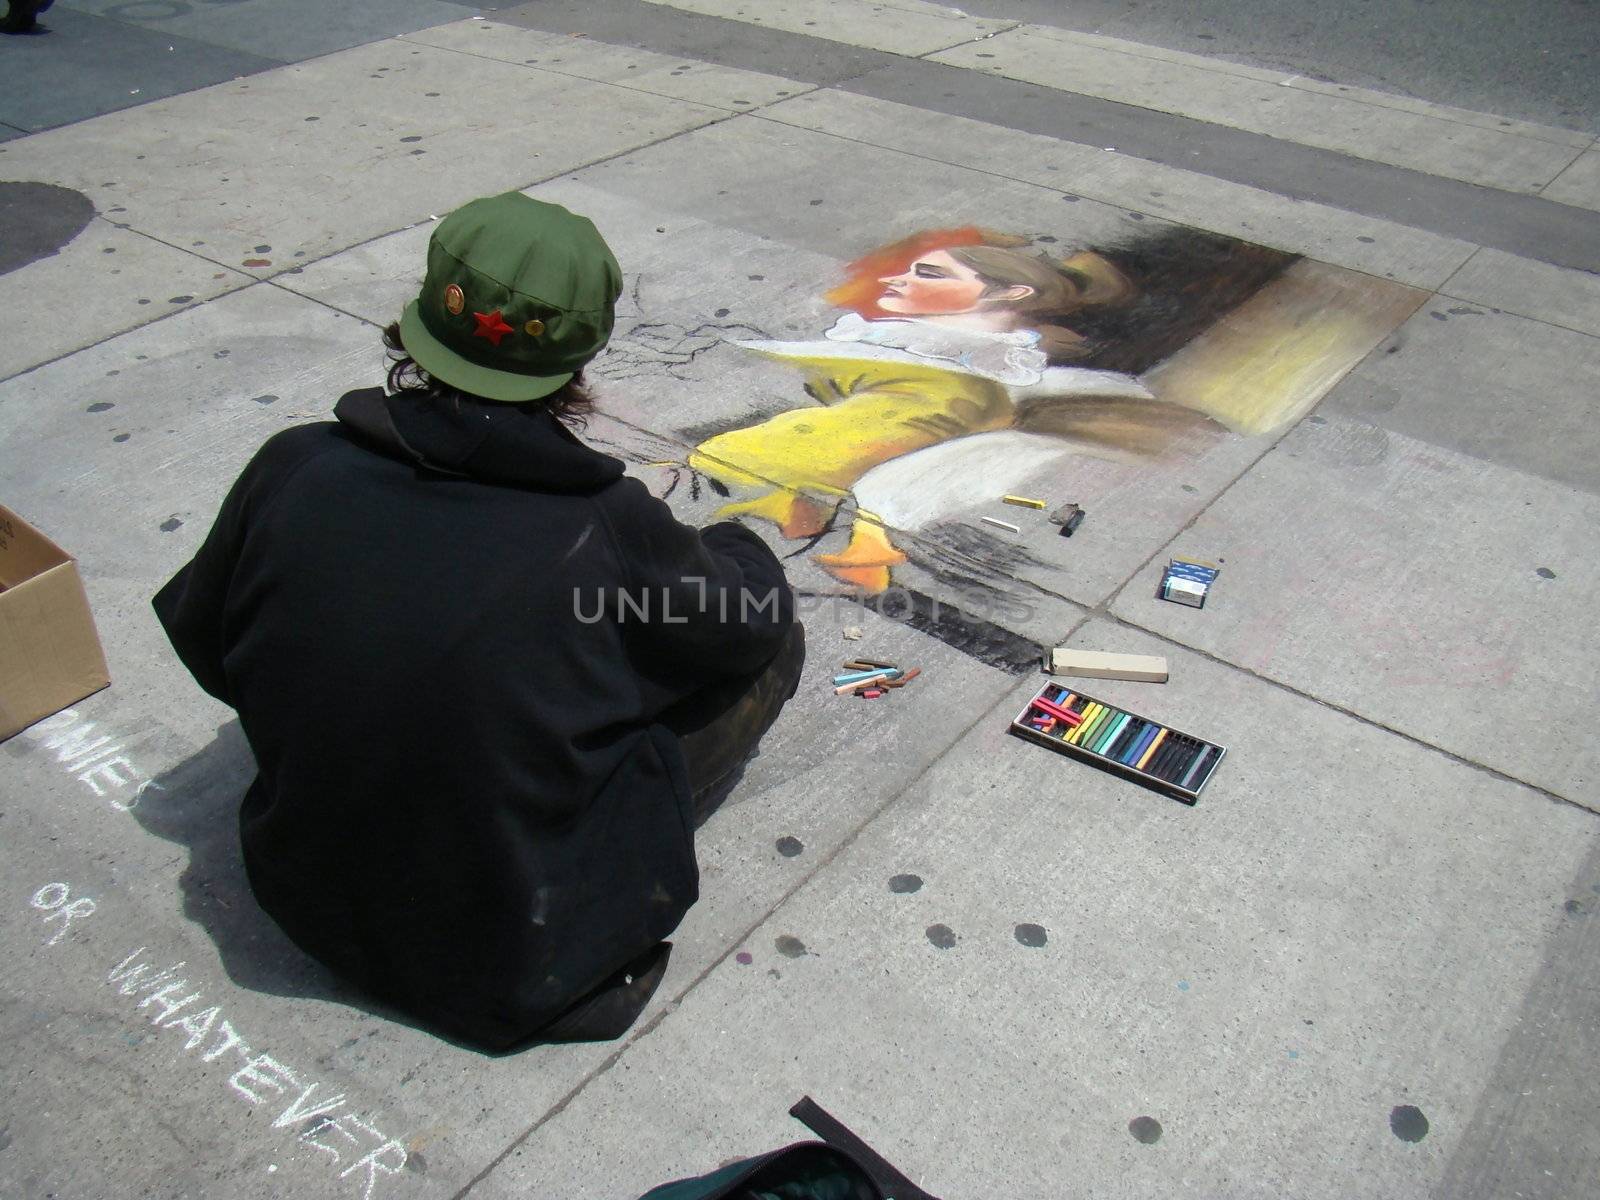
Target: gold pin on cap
<point x="454" y="300"/>
<point x="533" y="328"/>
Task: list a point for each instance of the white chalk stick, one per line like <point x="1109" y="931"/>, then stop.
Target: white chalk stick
<point x="999" y="524"/>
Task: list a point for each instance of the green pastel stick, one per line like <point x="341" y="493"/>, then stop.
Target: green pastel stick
<point x="1101" y="729"/>
<point x="1112" y="734"/>
<point x="1095" y="726"/>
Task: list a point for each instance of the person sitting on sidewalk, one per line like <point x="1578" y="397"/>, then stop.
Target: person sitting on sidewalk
<point x="491" y="684"/>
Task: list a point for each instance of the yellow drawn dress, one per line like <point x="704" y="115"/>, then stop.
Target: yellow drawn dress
<point x="883" y="389"/>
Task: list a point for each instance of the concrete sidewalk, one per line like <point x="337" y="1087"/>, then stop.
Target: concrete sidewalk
<point x="1365" y="964"/>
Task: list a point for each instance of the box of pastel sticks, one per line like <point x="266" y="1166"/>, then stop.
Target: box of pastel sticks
<point x="1071" y="722"/>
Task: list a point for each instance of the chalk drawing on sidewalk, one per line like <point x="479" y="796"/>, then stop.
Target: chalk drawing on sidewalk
<point x="969" y="362"/>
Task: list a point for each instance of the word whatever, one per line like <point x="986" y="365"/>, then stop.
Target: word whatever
<point x="326" y="1124"/>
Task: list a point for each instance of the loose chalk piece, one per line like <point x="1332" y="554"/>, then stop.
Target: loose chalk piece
<point x="1098" y="664"/>
<point x="1022" y="501"/>
<point x="999" y="524"/>
<point x="1069" y="517"/>
<point x="854" y="633"/>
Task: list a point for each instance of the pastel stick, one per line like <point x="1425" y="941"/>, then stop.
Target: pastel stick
<point x="1119" y="743"/>
<point x="1093" y="726"/>
<point x="1112" y="730"/>
<point x="1131" y="733"/>
<point x="1196" y="774"/>
<point x="1182" y="748"/>
<point x="1141" y="743"/>
<point x="1152" y="749"/>
<point x="1182" y="762"/>
<point x="1162" y="761"/>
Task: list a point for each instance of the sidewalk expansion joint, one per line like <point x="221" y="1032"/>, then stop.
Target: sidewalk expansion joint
<point x="672" y="1005"/>
<point x="1103" y="610"/>
<point x="1112" y="201"/>
<point x="1520" y="223"/>
<point x="805" y="88"/>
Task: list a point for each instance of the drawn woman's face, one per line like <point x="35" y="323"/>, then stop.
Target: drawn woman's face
<point x="934" y="285"/>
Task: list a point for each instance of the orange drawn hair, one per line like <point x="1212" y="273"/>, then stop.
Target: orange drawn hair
<point x="861" y="289"/>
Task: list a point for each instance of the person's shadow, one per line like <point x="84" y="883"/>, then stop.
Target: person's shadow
<point x="196" y="805"/>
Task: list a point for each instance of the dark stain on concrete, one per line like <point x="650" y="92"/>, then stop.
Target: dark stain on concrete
<point x="942" y="936"/>
<point x="1407" y="1123"/>
<point x="1145" y="1129"/>
<point x="170" y="524"/>
<point x="789" y="946"/>
<point x="39" y="219"/>
<point x="790" y="847"/>
<point x="101" y="406"/>
<point x="1545" y="573"/>
<point x="1031" y="935"/>
<point x="264" y="398"/>
<point x="903" y="885"/>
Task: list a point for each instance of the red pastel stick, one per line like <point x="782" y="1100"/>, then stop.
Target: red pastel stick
<point x="1055" y="710"/>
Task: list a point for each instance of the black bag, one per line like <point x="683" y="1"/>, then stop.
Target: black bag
<point x="840" y="1167"/>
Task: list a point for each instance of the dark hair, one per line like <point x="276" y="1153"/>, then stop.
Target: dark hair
<point x="571" y="403"/>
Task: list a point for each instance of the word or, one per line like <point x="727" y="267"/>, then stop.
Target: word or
<point x="325" y="1123"/>
<point x="55" y="899"/>
<point x="100" y="762"/>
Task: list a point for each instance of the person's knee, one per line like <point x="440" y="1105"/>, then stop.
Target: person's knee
<point x="792" y="657"/>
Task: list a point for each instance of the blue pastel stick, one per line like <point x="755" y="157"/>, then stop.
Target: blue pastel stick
<point x="1103" y="743"/>
<point x="857" y="676"/>
<point x="1141" y="744"/>
<point x="1130" y="734"/>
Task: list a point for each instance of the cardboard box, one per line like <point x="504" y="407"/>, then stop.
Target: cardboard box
<point x="50" y="655"/>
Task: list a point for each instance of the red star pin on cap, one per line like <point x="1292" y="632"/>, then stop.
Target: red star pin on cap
<point x="491" y="326"/>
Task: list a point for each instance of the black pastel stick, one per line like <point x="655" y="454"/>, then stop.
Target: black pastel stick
<point x="1190" y="759"/>
<point x="1187" y="749"/>
<point x="1168" y="751"/>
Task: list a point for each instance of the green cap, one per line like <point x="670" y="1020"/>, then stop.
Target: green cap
<point x="519" y="295"/>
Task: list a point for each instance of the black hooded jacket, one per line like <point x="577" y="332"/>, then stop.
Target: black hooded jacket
<point x="449" y="633"/>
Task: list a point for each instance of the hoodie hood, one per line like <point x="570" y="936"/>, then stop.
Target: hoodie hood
<point x="509" y="445"/>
